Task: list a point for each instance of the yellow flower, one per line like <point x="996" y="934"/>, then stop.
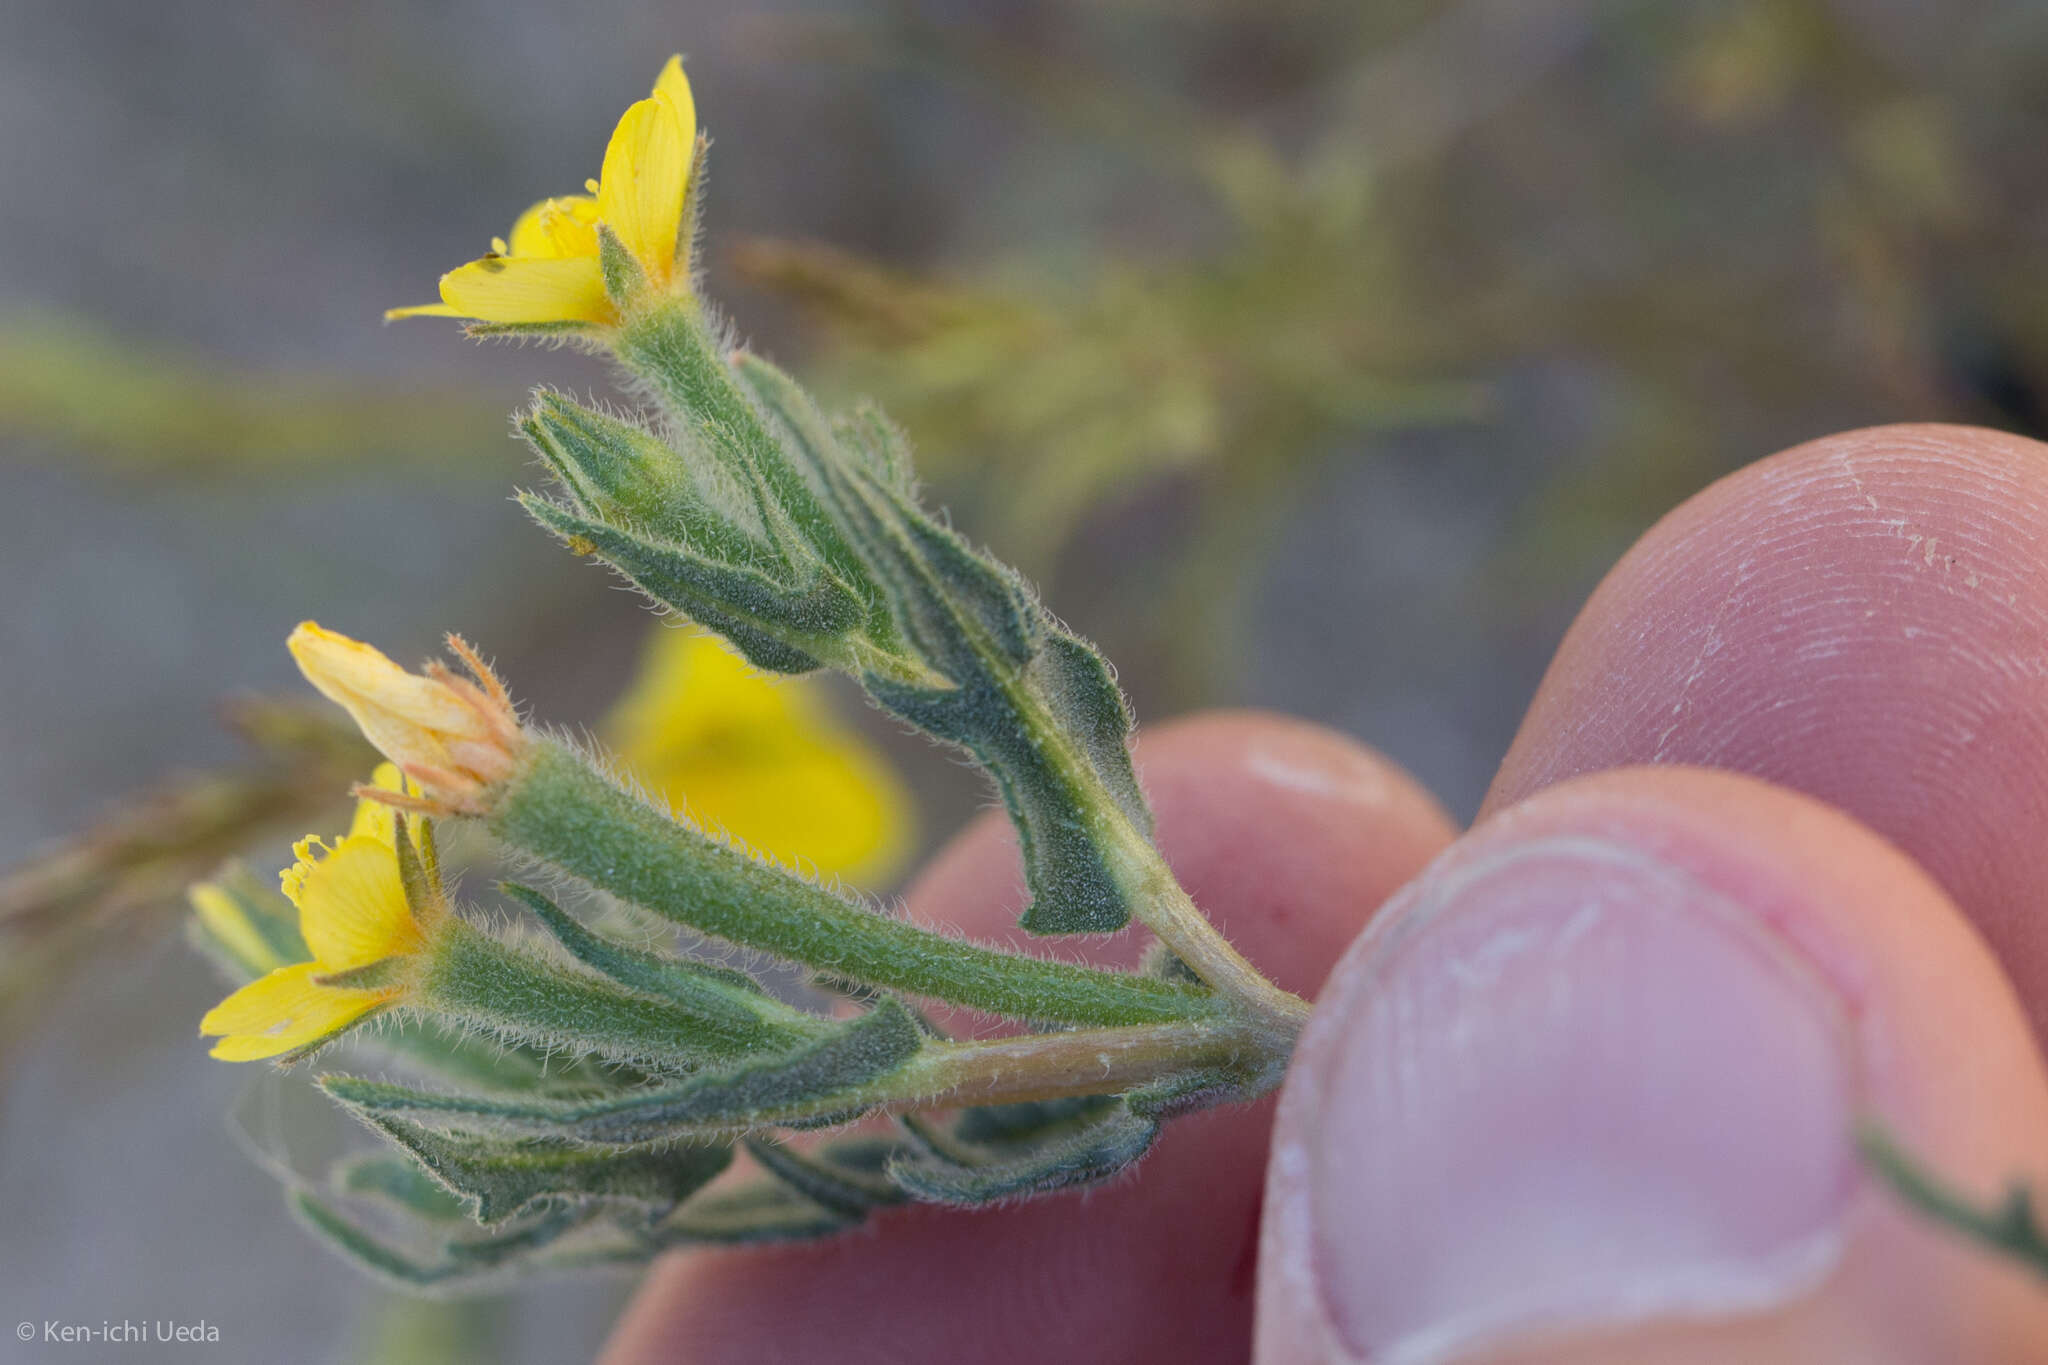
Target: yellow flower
<point x="454" y="736"/>
<point x="761" y="759"/>
<point x="353" y="913"/>
<point x="549" y="272"/>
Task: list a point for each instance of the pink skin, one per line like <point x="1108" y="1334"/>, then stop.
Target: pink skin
<point x="1860" y="620"/>
<point x="1863" y="619"/>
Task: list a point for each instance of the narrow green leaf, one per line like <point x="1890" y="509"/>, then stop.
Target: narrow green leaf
<point x="401" y="1183"/>
<point x="1093" y="1151"/>
<point x="844" y="1190"/>
<point x="370" y="1253"/>
<point x="1072" y="887"/>
<point x="688" y="370"/>
<point x="996" y="1125"/>
<point x="880" y="445"/>
<point x="701" y="987"/>
<point x="462" y="1262"/>
<point x="759" y="1094"/>
<point x="1195" y="1091"/>
<point x="618" y="473"/>
<point x="778" y="627"/>
<point x="2010" y="1229"/>
<point x="498" y="1065"/>
<point x="768" y="1211"/>
<point x="501" y="1179"/>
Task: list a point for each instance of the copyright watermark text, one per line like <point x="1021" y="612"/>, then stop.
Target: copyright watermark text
<point x="116" y="1331"/>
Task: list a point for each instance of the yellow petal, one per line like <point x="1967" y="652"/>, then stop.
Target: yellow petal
<point x="528" y="289"/>
<point x="352" y="907"/>
<point x="283" y="1012"/>
<point x="675" y="87"/>
<point x="228" y="923"/>
<point x="640" y="189"/>
<point x="565" y="226"/>
<point x="421" y="310"/>
<point x="763" y="760"/>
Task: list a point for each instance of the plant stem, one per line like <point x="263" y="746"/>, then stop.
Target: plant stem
<point x="1049" y="1066"/>
<point x="1164" y="907"/>
<point x="1031" y="1067"/>
<point x="562" y="811"/>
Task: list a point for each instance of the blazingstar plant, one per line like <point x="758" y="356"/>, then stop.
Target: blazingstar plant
<point x="560" y="1086"/>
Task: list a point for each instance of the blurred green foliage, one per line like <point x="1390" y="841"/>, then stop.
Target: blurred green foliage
<point x="79" y="386"/>
<point x="1325" y="225"/>
<point x="1740" y="224"/>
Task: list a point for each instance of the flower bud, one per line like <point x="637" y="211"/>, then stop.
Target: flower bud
<point x="454" y="736"/>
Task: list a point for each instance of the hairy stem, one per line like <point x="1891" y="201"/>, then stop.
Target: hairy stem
<point x="562" y="811"/>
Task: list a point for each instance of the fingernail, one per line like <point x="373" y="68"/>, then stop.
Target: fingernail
<point x="1572" y="1085"/>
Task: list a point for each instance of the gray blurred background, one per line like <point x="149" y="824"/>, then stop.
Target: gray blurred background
<point x="1316" y="356"/>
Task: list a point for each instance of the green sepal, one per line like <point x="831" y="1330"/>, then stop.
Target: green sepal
<point x="822" y="1077"/>
<point x="1104" y="1145"/>
<point x="372" y="976"/>
<point x="844" y="1189"/>
<point x="532" y="331"/>
<point x="422" y="884"/>
<point x="623" y="277"/>
<point x="498" y="1180"/>
<point x="477" y="980"/>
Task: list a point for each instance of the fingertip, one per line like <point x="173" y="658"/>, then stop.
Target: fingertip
<point x="1587" y="1091"/>
<point x="1862" y="618"/>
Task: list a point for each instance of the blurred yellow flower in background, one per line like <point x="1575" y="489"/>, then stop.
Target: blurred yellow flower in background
<point x="762" y="759"/>
<point x="550" y="271"/>
<point x="353" y="913"/>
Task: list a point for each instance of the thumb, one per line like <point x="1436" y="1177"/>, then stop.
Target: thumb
<point x="1586" y="1091"/>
